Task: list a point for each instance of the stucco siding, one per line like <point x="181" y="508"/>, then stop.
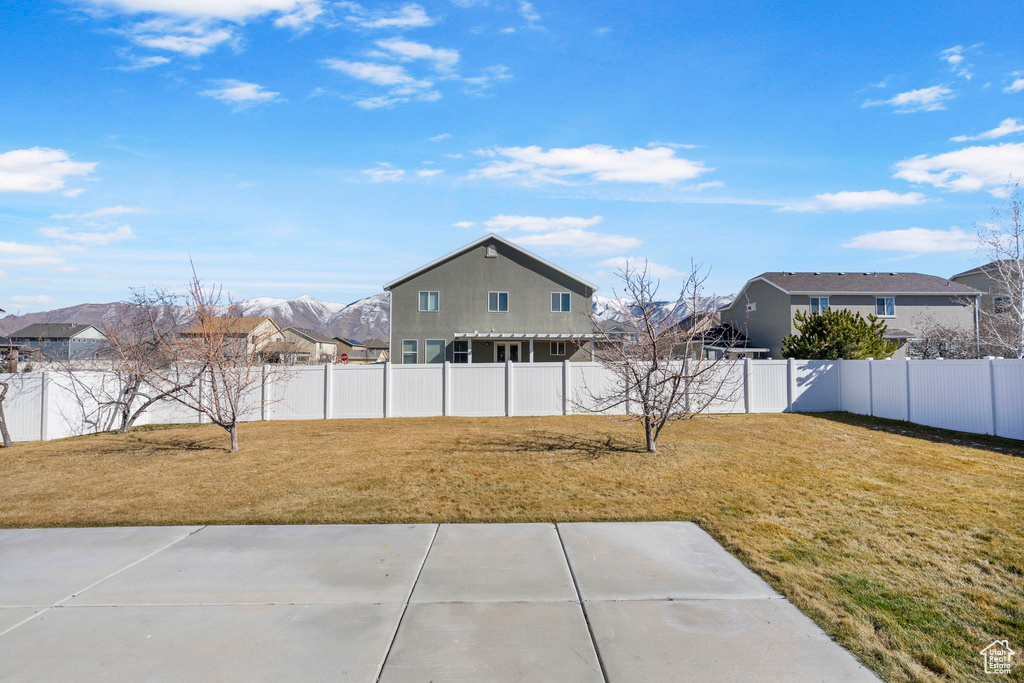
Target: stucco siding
<point x="768" y="323"/>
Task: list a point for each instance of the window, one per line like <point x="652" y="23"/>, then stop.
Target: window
<point x="497" y="302"/>
<point x="557" y="348"/>
<point x="430" y="301"/>
<point x="819" y="304"/>
<point x="559" y="302"/>
<point x="460" y="351"/>
<point x="885" y="306"/>
<point x="751" y="307"/>
<point x="433" y="351"/>
<point x="1002" y="304"/>
<point x="491" y="251"/>
<point x="410" y="351"/>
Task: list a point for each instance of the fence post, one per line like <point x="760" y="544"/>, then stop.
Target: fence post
<point x="44" y="405"/>
<point x="992" y="393"/>
<point x="790" y="363"/>
<point x="746" y="385"/>
<point x="871" y="389"/>
<point x="387" y="389"/>
<point x="566" y="386"/>
<point x="328" y="390"/>
<point x="446" y="389"/>
<point x="508" y="388"/>
<point x="909" y="413"/>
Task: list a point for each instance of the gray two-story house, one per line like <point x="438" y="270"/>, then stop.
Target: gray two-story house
<point x="908" y="303"/>
<point x="490" y="302"/>
<point x="60" y="341"/>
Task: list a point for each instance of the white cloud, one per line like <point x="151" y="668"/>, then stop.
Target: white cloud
<point x="528" y="12"/>
<point x="1017" y="85"/>
<point x="384" y="172"/>
<point x="532" y="165"/>
<point x="103" y="212"/>
<point x="89" y="239"/>
<point x="655" y="270"/>
<point x="232" y="10"/>
<point x="915" y="240"/>
<point x="856" y="201"/>
<point x="194" y="38"/>
<point x="968" y="169"/>
<point x="429" y="172"/>
<point x="401" y="87"/>
<point x="442" y="58"/>
<point x="439" y="138"/>
<point x="1007" y="127"/>
<point x="487" y="78"/>
<point x="19" y="249"/>
<point x="463" y="224"/>
<point x="502" y="223"/>
<point x="954" y="56"/>
<point x="241" y="95"/>
<point x="21" y="302"/>
<point x="578" y="240"/>
<point x="924" y="99"/>
<point x="39" y="169"/>
<point x="136" y="63"/>
<point x="409" y="15"/>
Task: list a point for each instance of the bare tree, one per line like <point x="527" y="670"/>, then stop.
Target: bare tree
<point x="1002" y="241"/>
<point x="5" y="387"/>
<point x="216" y="364"/>
<point x="661" y="367"/>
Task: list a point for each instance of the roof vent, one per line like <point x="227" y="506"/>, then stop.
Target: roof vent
<point x="491" y="251"/>
<point x="817" y="273"/>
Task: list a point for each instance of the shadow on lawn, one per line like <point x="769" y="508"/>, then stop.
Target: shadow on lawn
<point x="995" y="444"/>
<point x="591" y="447"/>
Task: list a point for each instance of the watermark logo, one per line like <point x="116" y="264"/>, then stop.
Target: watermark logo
<point x="998" y="657"/>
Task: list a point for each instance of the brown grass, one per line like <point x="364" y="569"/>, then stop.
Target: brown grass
<point x="904" y="543"/>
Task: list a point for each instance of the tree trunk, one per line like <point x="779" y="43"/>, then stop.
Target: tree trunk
<point x="234" y="436"/>
<point x="652" y="440"/>
<point x="3" y="419"/>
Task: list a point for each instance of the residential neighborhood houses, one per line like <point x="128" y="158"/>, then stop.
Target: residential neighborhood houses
<point x="492" y="301"/>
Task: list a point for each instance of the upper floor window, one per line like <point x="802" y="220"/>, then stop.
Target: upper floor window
<point x="497" y="302"/>
<point x="819" y="304"/>
<point x="885" y="306"/>
<point x="559" y="302"/>
<point x="430" y="301"/>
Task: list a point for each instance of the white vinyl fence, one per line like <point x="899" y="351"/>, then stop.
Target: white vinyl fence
<point x="980" y="396"/>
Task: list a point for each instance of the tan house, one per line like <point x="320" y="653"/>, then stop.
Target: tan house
<point x="260" y="334"/>
<point x="316" y="347"/>
<point x="359" y="352"/>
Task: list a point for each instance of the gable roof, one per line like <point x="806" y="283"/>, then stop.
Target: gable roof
<point x="350" y="342"/>
<point x="991" y="265"/>
<point x="309" y="334"/>
<point x="231" y="325"/>
<point x="53" y="330"/>
<point x="376" y="344"/>
<point x="476" y="243"/>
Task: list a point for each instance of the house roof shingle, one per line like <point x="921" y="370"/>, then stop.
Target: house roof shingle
<point x="312" y="335"/>
<point x="866" y="283"/>
<point x="376" y="344"/>
<point x="51" y="330"/>
<point x="991" y="265"/>
<point x="231" y="325"/>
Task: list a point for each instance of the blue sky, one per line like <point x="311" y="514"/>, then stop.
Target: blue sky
<point x="319" y="147"/>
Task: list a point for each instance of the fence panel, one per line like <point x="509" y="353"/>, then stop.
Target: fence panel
<point x="725" y="386"/>
<point x="590" y="384"/>
<point x="951" y="394"/>
<point x="537" y="389"/>
<point x="299" y="394"/>
<point x="417" y="390"/>
<point x="816" y="386"/>
<point x="889" y="389"/>
<point x="855" y="386"/>
<point x="23" y="405"/>
<point x="478" y="390"/>
<point x="1008" y="393"/>
<point x="357" y="391"/>
<point x="768" y="386"/>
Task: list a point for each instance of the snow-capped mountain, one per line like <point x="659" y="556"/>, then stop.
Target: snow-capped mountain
<point x="363" y="319"/>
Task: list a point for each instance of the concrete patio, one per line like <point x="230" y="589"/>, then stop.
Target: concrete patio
<point x="658" y="601"/>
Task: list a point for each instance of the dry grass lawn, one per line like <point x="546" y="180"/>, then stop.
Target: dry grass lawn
<point x="906" y="546"/>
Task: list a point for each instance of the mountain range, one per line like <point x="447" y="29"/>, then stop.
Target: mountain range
<point x="363" y="319"/>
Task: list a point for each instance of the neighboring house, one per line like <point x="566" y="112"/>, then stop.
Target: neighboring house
<point x="9" y="352"/>
<point x="59" y="341"/>
<point x="986" y="279"/>
<point x="490" y="301"/>
<point x="359" y="353"/>
<point x="259" y="333"/>
<point x="319" y="348"/>
<point x="378" y="347"/>
<point x="908" y="303"/>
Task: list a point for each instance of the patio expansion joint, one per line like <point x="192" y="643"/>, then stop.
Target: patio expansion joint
<point x="583" y="606"/>
<point x="60" y="603"/>
<point x="405" y="606"/>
